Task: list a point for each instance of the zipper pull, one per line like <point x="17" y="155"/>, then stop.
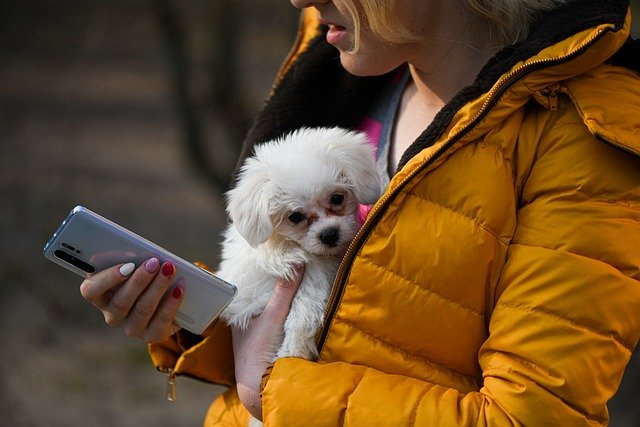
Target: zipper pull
<point x="553" y="98"/>
<point x="551" y="94"/>
<point x="548" y="97"/>
<point x="171" y="386"/>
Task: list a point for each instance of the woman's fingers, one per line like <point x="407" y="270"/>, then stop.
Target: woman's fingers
<point x="97" y="287"/>
<point x="147" y="302"/>
<point x="125" y="297"/>
<point x="162" y="324"/>
<point x="134" y="299"/>
<point x="283" y="293"/>
<point x="137" y="300"/>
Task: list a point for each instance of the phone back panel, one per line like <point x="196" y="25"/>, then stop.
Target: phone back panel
<point x="101" y="244"/>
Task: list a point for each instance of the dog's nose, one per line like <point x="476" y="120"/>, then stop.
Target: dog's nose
<point x="329" y="236"/>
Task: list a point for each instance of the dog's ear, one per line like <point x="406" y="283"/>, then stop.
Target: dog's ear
<point x="355" y="157"/>
<point x="248" y="203"/>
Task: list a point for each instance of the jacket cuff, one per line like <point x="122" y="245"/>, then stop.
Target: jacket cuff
<point x="208" y="358"/>
<point x="325" y="388"/>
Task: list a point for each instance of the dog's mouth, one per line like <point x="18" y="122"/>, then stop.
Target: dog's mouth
<point x="335" y="251"/>
<point x="331" y="248"/>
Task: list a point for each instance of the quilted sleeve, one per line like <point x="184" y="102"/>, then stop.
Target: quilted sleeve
<point x="565" y="321"/>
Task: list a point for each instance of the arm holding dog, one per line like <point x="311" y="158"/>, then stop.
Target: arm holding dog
<point x="254" y="346"/>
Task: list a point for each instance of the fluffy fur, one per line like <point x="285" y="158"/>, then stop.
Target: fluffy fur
<point x="295" y="202"/>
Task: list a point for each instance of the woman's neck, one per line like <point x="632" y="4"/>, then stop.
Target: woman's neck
<point x="450" y="58"/>
<point x="440" y="67"/>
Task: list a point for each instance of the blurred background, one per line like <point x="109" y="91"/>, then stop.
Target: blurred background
<point x="135" y="109"/>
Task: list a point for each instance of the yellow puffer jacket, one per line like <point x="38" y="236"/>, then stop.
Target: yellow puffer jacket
<point x="497" y="281"/>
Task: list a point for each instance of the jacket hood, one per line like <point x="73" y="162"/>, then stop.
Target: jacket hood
<point x="316" y="91"/>
<point x="616" y="86"/>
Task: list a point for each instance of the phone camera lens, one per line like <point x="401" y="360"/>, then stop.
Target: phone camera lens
<point x="74" y="261"/>
<point x="68" y="246"/>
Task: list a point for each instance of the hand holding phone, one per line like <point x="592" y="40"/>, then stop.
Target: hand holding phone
<point x="137" y="299"/>
<point x="86" y="243"/>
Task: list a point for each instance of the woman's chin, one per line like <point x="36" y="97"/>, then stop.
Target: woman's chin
<point x="362" y="66"/>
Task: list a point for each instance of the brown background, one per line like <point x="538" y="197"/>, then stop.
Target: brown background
<point x="90" y="114"/>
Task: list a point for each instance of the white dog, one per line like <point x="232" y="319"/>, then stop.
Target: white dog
<point x="296" y="202"/>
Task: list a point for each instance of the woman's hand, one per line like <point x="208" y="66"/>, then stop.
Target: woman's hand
<point x="136" y="300"/>
<point x="255" y="347"/>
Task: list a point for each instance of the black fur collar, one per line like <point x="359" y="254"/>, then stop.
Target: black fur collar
<point x="317" y="91"/>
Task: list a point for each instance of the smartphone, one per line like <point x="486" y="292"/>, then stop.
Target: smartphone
<point x="86" y="243"/>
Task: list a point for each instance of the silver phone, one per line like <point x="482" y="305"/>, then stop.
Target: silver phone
<point x="86" y="243"/>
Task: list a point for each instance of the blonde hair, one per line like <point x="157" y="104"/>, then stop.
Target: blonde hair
<point x="510" y="19"/>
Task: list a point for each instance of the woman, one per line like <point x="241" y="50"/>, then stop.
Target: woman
<point x="496" y="280"/>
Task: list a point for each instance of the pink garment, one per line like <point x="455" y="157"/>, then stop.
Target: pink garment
<point x="363" y="212"/>
<point x="373" y="129"/>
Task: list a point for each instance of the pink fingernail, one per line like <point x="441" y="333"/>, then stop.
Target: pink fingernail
<point x="151" y="266"/>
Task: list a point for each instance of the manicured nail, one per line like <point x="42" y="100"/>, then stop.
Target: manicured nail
<point x="127" y="269"/>
<point x="168" y="269"/>
<point x="151" y="266"/>
<point x="177" y="292"/>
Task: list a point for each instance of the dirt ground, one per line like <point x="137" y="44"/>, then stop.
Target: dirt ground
<point x="87" y="117"/>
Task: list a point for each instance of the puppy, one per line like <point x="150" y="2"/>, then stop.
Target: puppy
<point x="296" y="202"/>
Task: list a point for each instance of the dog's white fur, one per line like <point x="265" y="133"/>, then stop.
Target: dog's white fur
<point x="301" y="172"/>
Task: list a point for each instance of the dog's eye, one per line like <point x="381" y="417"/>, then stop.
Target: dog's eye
<point x="297" y="217"/>
<point x="336" y="199"/>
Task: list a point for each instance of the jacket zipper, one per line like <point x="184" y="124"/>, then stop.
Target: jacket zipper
<point x="171" y="386"/>
<point x="171" y="383"/>
<point x="494" y="94"/>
